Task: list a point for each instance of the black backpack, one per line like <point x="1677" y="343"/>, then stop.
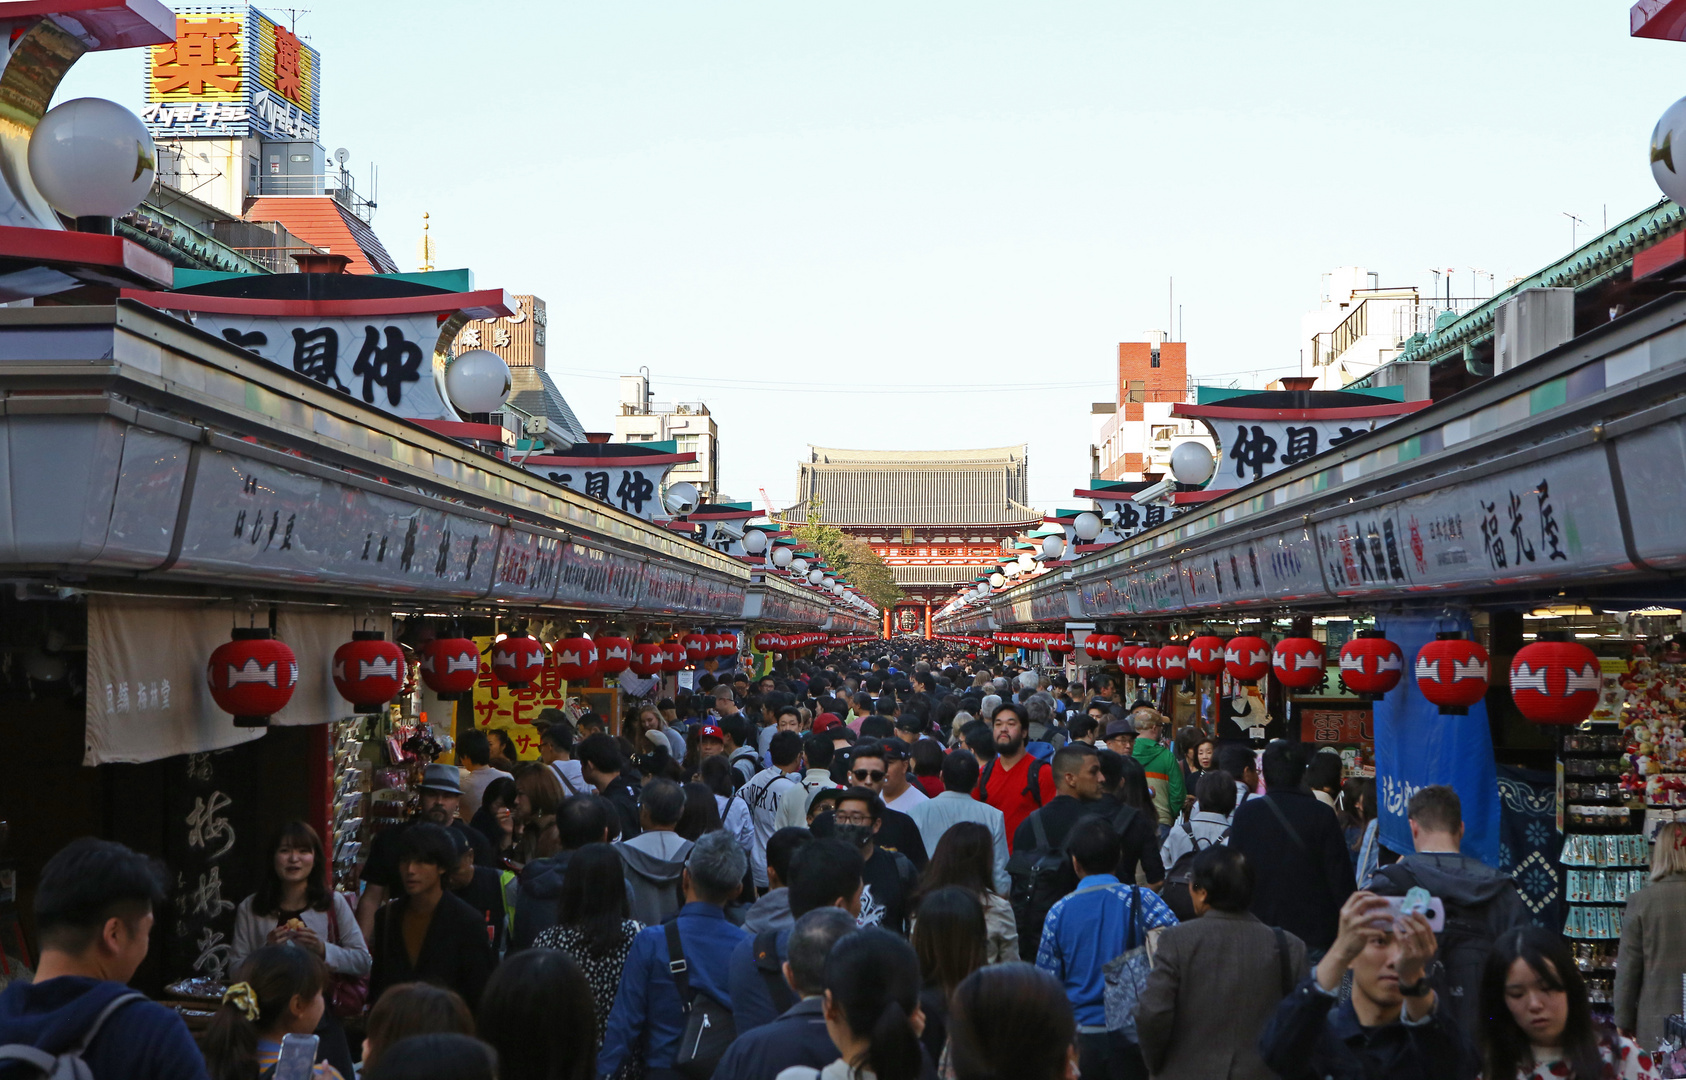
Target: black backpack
<point x="1464" y="940"/>
<point x="1040" y="875"/>
<point x="771" y="969"/>
<point x="1177" y="878"/>
<point x="1032" y="780"/>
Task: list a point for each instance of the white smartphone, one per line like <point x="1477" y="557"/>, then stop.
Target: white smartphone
<point x="297" y="1059"/>
<point x="1435" y="913"/>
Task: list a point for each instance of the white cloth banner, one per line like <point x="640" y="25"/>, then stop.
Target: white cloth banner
<point x="147" y="697"/>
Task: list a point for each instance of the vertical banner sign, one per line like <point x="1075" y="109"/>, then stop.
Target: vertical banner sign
<point x="498" y="706"/>
<point x="209" y="843"/>
<point x="1416" y="746"/>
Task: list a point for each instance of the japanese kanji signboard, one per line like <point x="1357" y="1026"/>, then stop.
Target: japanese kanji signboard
<point x="1254" y="443"/>
<point x="1336" y="726"/>
<point x="232" y="71"/>
<point x="498" y="706"/>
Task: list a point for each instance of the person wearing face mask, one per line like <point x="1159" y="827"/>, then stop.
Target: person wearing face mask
<point x="889" y="880"/>
<point x="869" y="767"/>
<point x="1538" y="1023"/>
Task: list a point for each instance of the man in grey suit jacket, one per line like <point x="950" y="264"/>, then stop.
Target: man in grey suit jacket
<point x="1216" y="980"/>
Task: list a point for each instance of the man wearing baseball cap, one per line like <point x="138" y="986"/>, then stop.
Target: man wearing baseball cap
<point x="441" y="798"/>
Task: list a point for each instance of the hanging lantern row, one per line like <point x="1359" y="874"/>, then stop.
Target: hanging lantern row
<point x="1058" y="644"/>
<point x="1552" y="682"/>
<point x="767" y="641"/>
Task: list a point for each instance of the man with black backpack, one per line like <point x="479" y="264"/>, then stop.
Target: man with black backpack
<point x="1014" y="781"/>
<point x="676" y="976"/>
<point x="824" y="873"/>
<point x="93" y="911"/>
<point x="1481" y="903"/>
<point x="1039" y="867"/>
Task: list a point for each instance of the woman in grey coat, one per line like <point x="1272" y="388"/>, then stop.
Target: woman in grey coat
<point x="1653" y="951"/>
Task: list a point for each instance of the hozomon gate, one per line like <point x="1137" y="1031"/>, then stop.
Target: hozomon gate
<point x="937" y="517"/>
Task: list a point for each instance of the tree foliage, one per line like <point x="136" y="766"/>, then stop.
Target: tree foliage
<point x="850" y="558"/>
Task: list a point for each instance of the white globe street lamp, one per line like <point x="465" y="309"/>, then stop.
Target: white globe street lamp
<point x="1053" y="547"/>
<point x="92" y="158"/>
<point x="755" y="541"/>
<point x="782" y="557"/>
<point x="478" y="381"/>
<point x="1087" y="526"/>
<point x="1191" y="463"/>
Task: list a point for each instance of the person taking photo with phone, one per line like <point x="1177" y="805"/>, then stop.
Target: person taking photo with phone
<point x="1392" y="1027"/>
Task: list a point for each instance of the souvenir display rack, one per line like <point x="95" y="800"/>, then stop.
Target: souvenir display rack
<point x="350" y="787"/>
<point x="1605" y="856"/>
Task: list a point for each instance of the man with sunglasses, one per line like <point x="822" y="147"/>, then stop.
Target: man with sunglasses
<point x="869" y="768"/>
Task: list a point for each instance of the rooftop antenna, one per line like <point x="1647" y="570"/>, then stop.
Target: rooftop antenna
<point x="1574" y="222"/>
<point x="294" y="13"/>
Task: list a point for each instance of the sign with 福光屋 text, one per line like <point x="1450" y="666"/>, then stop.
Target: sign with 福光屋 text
<point x="232" y="71"/>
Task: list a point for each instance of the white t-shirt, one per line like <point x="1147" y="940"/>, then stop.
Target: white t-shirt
<point x="569" y="773"/>
<point x="908" y="799"/>
<point x="474" y="785"/>
<point x="764" y="793"/>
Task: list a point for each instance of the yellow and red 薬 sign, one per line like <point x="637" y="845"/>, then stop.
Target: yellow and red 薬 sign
<point x="232" y="71"/>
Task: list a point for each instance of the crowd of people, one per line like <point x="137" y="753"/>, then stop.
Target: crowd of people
<point x="866" y="868"/>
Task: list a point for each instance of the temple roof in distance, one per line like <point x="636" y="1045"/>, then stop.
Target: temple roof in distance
<point x="916" y="487"/>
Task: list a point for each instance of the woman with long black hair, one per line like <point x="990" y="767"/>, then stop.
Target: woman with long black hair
<point x="871" y="1010"/>
<point x="594" y="926"/>
<point x="965" y="856"/>
<point x="950" y="940"/>
<point x="295" y="905"/>
<point x="1539" y="1025"/>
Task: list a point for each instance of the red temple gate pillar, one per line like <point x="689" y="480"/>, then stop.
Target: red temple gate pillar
<point x="927" y="620"/>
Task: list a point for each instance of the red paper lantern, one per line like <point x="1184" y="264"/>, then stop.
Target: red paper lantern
<point x="368" y="670"/>
<point x="1247" y="658"/>
<point x="614" y="654"/>
<point x="1103" y="646"/>
<point x="647" y="659"/>
<point x="252" y="676"/>
<point x="1452" y="673"/>
<point x="1298" y="662"/>
<point x="1146" y="661"/>
<point x="1172" y="663"/>
<point x="724" y="645"/>
<point x="450" y="665"/>
<point x="1125" y="657"/>
<point x="517" y="660"/>
<point x="697" y="645"/>
<point x="1206" y="655"/>
<point x="673" y="656"/>
<point x="1371" y="664"/>
<point x="1060" y="645"/>
<point x="764" y="642"/>
<point x="576" y="658"/>
<point x="1556" y="682"/>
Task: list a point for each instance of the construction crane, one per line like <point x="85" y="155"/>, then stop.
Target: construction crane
<point x="768" y="503"/>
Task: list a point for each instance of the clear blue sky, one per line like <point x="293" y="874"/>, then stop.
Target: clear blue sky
<point x="897" y="197"/>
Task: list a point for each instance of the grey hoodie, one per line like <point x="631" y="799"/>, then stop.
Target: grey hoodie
<point x="771" y="912"/>
<point x="653" y="861"/>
